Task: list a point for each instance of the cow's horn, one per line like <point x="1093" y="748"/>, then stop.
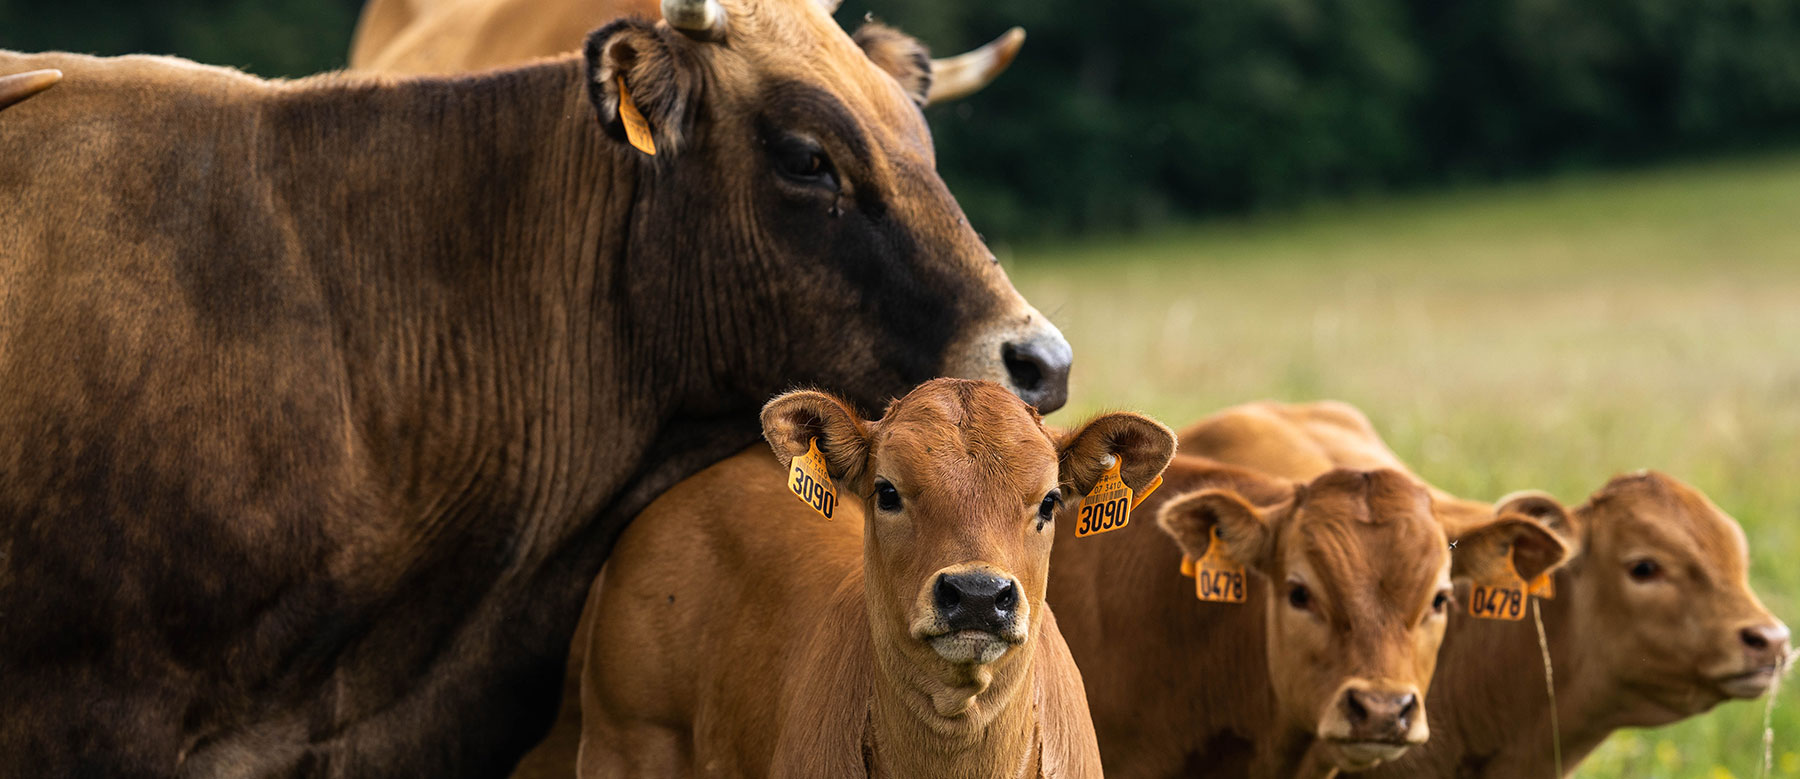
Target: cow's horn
<point x="702" y="20"/>
<point x="965" y="74"/>
<point x="19" y="86"/>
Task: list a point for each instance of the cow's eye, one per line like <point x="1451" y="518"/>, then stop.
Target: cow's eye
<point x="1441" y="602"/>
<point x="1299" y="597"/>
<point x="1047" y="509"/>
<point x="886" y="497"/>
<point x="803" y="161"/>
<point x="1645" y="570"/>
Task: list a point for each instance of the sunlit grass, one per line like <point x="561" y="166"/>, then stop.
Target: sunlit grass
<point x="1545" y="335"/>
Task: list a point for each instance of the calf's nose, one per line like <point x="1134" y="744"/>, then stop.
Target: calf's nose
<point x="1038" y="367"/>
<point x="976" y="601"/>
<point x="1765" y="642"/>
<point x="1379" y="715"/>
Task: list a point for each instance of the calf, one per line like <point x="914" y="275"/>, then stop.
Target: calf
<point x="739" y="634"/>
<point x="1652" y="620"/>
<point x="1326" y="661"/>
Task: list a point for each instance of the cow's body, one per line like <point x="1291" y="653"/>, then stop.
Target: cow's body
<point x="322" y="402"/>
<point x="1621" y="659"/>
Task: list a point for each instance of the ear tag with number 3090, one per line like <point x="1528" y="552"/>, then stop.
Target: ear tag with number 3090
<point x="1217" y="577"/>
<point x="1106" y="507"/>
<point x="1503" y="598"/>
<point x="637" y="131"/>
<point x="810" y="481"/>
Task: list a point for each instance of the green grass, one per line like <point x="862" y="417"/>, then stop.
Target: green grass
<point x="1540" y="335"/>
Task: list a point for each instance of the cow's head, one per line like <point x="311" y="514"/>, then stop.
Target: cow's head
<point x="1661" y="588"/>
<point x="1360" y="584"/>
<point x="962" y="482"/>
<point x="794" y="159"/>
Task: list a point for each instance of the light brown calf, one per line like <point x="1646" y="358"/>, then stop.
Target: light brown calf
<point x="1327" y="662"/>
<point x="739" y="634"/>
<point x="1653" y="618"/>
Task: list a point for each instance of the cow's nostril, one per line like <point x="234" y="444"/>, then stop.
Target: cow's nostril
<point x="1026" y="373"/>
<point x="945" y="594"/>
<point x="1039" y="369"/>
<point x="1356" y="710"/>
<point x="1408" y="705"/>
<point x="1753" y="638"/>
<point x="1007" y="598"/>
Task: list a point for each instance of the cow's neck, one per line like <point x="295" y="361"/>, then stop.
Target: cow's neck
<point x="982" y="725"/>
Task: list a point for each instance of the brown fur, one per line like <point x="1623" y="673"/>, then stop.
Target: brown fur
<point x="739" y="634"/>
<point x="1179" y="686"/>
<point x="1625" y="653"/>
<point x="322" y="402"/>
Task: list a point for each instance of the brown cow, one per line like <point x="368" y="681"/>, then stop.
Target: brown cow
<point x="415" y="36"/>
<point x="322" y="402"/>
<point x="1325" y="664"/>
<point x="739" y="634"/>
<point x="1652" y="621"/>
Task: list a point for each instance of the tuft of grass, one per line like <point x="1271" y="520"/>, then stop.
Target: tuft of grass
<point x="1544" y="335"/>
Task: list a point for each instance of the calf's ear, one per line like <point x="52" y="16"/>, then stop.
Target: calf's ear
<point x="1545" y="510"/>
<point x="660" y="75"/>
<point x="791" y="422"/>
<point x="1247" y="531"/>
<point x="1481" y="552"/>
<point x="1143" y="444"/>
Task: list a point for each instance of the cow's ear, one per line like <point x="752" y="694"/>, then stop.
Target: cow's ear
<point x="1247" y="531"/>
<point x="1144" y="444"/>
<point x="1545" y="510"/>
<point x="1480" y="554"/>
<point x="791" y="422"/>
<point x="659" y="75"/>
<point x="899" y="55"/>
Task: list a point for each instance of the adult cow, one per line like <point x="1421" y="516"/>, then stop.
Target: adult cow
<point x="322" y="402"/>
<point x="1652" y="620"/>
<point x="450" y="36"/>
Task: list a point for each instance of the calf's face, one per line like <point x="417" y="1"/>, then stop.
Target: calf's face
<point x="797" y="158"/>
<point x="961" y="483"/>
<point x="1665" y="597"/>
<point x="1360" y="573"/>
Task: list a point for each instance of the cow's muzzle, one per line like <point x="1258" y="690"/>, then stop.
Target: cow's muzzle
<point x="1369" y="724"/>
<point x="973" y="614"/>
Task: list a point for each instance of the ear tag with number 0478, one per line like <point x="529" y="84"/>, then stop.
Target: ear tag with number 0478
<point x="810" y="481"/>
<point x="637" y="131"/>
<point x="1106" y="507"/>
<point x="1502" y="599"/>
<point x="1217" y="577"/>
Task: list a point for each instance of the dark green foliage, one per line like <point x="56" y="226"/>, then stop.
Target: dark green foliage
<point x="1133" y="112"/>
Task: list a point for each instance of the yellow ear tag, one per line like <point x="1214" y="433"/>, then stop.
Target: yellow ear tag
<point x="1218" y="578"/>
<point x="1187" y="566"/>
<point x="1148" y="489"/>
<point x="810" y="481"/>
<point x="637" y="131"/>
<point x="1544" y="586"/>
<point x="1107" y="507"/>
<point x="1501" y="599"/>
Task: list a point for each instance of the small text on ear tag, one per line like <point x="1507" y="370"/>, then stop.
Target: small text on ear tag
<point x="810" y="481"/>
<point x="1544" y="586"/>
<point x="637" y="131"/>
<point x="1217" y="577"/>
<point x="1107" y="507"/>
<point x="1501" y="599"/>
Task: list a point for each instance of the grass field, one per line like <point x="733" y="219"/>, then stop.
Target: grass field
<point x="1541" y="335"/>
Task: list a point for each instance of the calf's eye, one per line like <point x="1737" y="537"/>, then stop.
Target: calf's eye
<point x="1047" y="509"/>
<point x="1644" y="570"/>
<point x="886" y="497"/>
<point x="1441" y="602"/>
<point x="1299" y="597"/>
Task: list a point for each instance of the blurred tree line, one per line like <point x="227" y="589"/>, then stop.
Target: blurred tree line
<point x="1128" y="113"/>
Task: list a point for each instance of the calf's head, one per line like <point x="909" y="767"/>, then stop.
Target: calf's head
<point x="1360" y="573"/>
<point x="793" y="160"/>
<point x="1663" y="594"/>
<point x="961" y="483"/>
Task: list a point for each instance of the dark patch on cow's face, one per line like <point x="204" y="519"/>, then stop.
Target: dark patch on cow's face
<point x="848" y="224"/>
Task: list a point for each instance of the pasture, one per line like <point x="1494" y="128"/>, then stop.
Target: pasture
<point x="1546" y="334"/>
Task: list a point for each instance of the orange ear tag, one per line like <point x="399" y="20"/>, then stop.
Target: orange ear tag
<point x="1544" y="586"/>
<point x="809" y="480"/>
<point x="1187" y="566"/>
<point x="1218" y="578"/>
<point x="637" y="131"/>
<point x="1107" y="507"/>
<point x="1502" y="599"/>
<point x="1148" y="489"/>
